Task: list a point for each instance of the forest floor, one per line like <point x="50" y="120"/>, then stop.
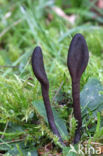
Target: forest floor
<point x="24" y="128"/>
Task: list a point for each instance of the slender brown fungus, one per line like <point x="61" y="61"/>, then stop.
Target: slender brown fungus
<point x="77" y="61"/>
<point x="39" y="72"/>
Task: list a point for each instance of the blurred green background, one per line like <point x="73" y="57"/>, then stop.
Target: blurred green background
<point x="51" y="24"/>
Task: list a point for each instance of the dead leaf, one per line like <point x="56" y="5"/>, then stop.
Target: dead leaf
<point x="61" y="13"/>
<point x="100" y="4"/>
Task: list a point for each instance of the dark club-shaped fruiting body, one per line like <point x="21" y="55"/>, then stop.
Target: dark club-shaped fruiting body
<point x="77" y="61"/>
<point x="39" y="72"/>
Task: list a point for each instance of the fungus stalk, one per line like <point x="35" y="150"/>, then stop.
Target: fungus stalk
<point x="39" y="72"/>
<point x="77" y="62"/>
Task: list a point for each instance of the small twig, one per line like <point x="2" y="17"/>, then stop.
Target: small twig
<point x="7" y="66"/>
<point x="9" y="142"/>
<point x="5" y="129"/>
<point x="93" y="143"/>
<point x="9" y="27"/>
<point x="30" y="84"/>
<point x="57" y="91"/>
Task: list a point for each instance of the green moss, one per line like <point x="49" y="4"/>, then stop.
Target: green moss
<point x="27" y="27"/>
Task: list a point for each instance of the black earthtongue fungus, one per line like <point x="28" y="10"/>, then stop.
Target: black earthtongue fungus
<point x="77" y="61"/>
<point x="39" y="72"/>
